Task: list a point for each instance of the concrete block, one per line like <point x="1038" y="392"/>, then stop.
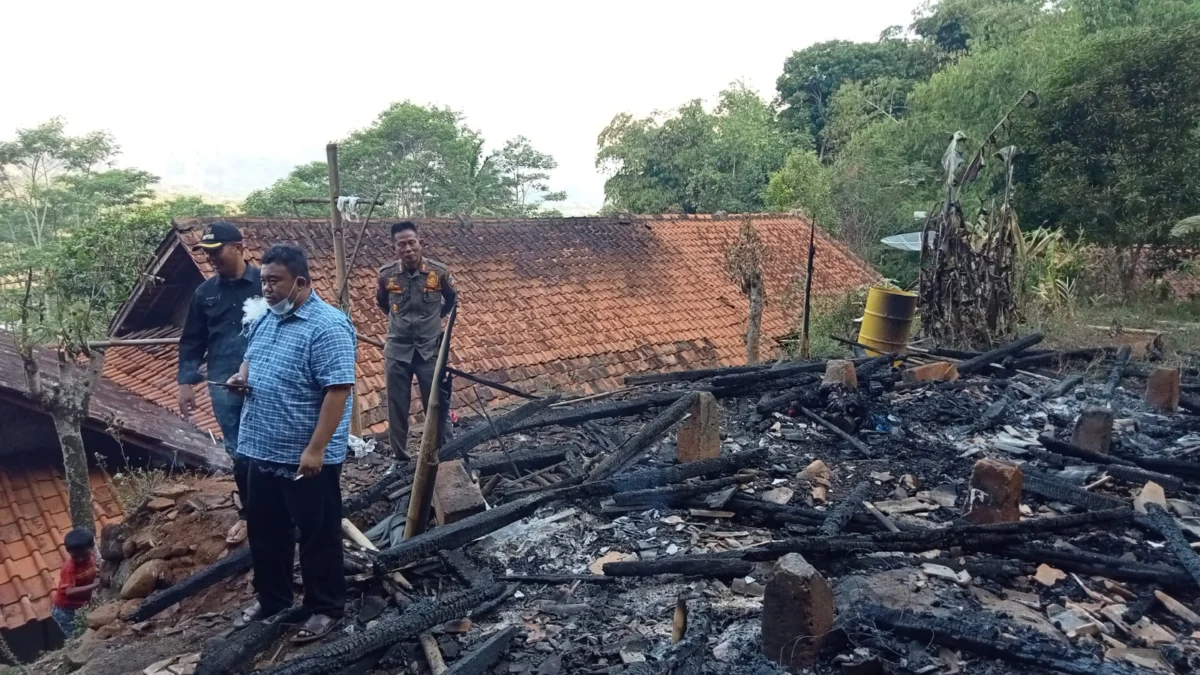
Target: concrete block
<point x="700" y="434"/>
<point x="454" y="495"/>
<point x="798" y="613"/>
<point x="996" y="493"/>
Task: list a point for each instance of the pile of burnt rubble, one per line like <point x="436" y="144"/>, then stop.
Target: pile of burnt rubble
<point x="946" y="512"/>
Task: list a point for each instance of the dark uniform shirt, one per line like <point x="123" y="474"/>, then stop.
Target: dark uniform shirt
<point x="415" y="303"/>
<point x="213" y="331"/>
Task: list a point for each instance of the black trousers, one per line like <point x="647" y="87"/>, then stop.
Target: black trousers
<point x="399" y="392"/>
<point x="314" y="507"/>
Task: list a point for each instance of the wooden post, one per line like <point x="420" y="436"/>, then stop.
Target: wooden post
<point x="812" y="250"/>
<point x="421" y="499"/>
<point x="339" y="263"/>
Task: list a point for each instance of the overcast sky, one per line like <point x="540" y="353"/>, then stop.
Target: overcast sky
<point x="223" y="97"/>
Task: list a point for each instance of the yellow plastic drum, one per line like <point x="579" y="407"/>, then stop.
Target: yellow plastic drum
<point x="887" y="320"/>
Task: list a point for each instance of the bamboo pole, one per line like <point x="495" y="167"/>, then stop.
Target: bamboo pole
<point x="425" y="474"/>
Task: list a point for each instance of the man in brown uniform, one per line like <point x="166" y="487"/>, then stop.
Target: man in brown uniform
<point x="415" y="293"/>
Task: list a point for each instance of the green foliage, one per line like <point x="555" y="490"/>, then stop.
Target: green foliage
<point x="76" y="231"/>
<point x="1118" y="135"/>
<point x="812" y="75"/>
<point x="694" y="160"/>
<point x="525" y="173"/>
<point x="50" y="182"/>
<point x="803" y="183"/>
<point x="423" y="162"/>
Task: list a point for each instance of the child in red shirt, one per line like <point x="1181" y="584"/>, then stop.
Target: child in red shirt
<point x="76" y="581"/>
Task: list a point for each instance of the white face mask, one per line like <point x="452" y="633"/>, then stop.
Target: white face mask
<point x="286" y="305"/>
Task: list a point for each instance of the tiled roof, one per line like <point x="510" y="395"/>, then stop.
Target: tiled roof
<point x="33" y="520"/>
<point x="569" y="303"/>
<point x="142" y="424"/>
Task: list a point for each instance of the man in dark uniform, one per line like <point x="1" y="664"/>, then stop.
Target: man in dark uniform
<point x="214" y="333"/>
<point x="415" y="293"/>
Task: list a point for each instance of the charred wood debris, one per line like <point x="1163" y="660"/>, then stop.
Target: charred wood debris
<point x="830" y="517"/>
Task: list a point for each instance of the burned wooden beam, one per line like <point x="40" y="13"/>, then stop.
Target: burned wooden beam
<point x="555" y="579"/>
<point x="227" y="655"/>
<point x="977" y="364"/>
<point x="480" y="660"/>
<point x="840" y="515"/>
<point x="835" y="430"/>
<point x="1118" y="372"/>
<point x="1118" y="467"/>
<point x="707" y="566"/>
<point x="1062" y="388"/>
<point x="531" y="459"/>
<point x="671" y="494"/>
<point x="983" y="639"/>
<point x="745" y="505"/>
<point x="1042" y="485"/>
<point x="693" y="375"/>
<point x="801" y="393"/>
<point x="868" y="368"/>
<point x="649" y="433"/>
<point x="1176" y="542"/>
<point x="499" y="426"/>
<point x="232" y="565"/>
<point x="567" y="417"/>
<point x="419" y="617"/>
<point x="1096" y="564"/>
<point x="458" y="534"/>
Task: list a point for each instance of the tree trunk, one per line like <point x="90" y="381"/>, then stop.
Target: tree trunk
<point x="67" y="403"/>
<point x="75" y="467"/>
<point x="754" y="327"/>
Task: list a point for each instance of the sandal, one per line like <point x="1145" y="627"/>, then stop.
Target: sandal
<point x="249" y="615"/>
<point x="237" y="533"/>
<point x="316" y="628"/>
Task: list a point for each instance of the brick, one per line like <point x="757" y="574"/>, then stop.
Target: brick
<point x="996" y="491"/>
<point x="939" y="371"/>
<point x="1093" y="429"/>
<point x="454" y="495"/>
<point x="1162" y="390"/>
<point x="797" y="613"/>
<point x="840" y="372"/>
<point x="700" y="433"/>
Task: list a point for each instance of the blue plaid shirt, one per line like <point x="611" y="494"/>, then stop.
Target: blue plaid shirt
<point x="292" y="360"/>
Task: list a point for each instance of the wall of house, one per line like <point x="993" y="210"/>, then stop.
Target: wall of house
<point x="23" y="431"/>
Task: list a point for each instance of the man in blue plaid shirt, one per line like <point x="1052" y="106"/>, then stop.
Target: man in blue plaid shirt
<point x="297" y="378"/>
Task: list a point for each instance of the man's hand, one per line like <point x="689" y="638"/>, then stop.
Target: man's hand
<point x="312" y="460"/>
<point x="237" y="384"/>
<point x="187" y="399"/>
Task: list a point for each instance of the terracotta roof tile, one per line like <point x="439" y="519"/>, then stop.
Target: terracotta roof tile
<point x="31" y="552"/>
<point x="646" y="292"/>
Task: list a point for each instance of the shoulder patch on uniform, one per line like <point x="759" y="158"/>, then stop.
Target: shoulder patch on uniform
<point x="387" y="266"/>
<point x="437" y="264"/>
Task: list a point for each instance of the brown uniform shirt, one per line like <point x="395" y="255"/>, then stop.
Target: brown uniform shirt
<point x="415" y="303"/>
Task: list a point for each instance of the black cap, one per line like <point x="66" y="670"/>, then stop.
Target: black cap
<point x="217" y="235"/>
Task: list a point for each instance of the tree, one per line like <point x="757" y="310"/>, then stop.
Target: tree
<point x="803" y="183"/>
<point x="422" y="161"/>
<point x="743" y="264"/>
<point x="812" y="75"/>
<point x="50" y="182"/>
<point x="694" y="161"/>
<point x="56" y="189"/>
<point x="1118" y="136"/>
<point x="525" y="172"/>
